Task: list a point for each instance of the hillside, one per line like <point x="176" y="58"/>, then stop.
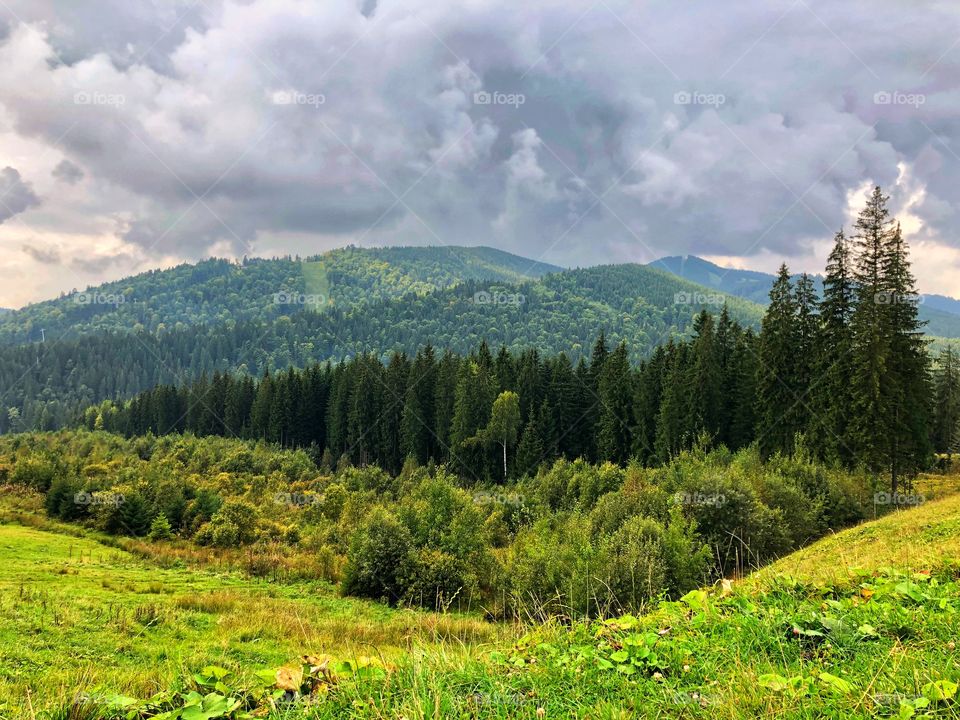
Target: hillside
<point x="563" y="312"/>
<point x="114" y="629"/>
<point x="913" y="541"/>
<point x="941" y="313"/>
<point x="216" y="291"/>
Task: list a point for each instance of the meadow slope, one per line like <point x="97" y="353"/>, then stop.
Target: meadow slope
<point x="861" y="624"/>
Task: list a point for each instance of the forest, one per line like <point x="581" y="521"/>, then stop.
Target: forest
<point x="848" y="371"/>
<point x="46" y="383"/>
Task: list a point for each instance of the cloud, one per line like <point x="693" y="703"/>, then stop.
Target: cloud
<point x="558" y="130"/>
<point x="15" y="194"/>
<point x="43" y="255"/>
<point x="68" y="172"/>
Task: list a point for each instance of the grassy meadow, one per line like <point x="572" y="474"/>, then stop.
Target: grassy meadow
<point x="79" y="618"/>
<point x="863" y="623"/>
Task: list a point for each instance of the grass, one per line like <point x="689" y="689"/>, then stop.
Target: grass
<point x="913" y="540"/>
<point x="77" y="615"/>
<point x="861" y="624"/>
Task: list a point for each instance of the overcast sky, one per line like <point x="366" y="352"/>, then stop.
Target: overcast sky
<point x="137" y="134"/>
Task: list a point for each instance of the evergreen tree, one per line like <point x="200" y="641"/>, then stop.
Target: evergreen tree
<point x="725" y="344"/>
<point x="947" y="410"/>
<point x="616" y="422"/>
<point x="907" y="386"/>
<point x="832" y="397"/>
<point x="671" y="430"/>
<point x="807" y="338"/>
<point x="705" y="378"/>
<point x="160" y="528"/>
<point x="744" y="391"/>
<point x="474" y="398"/>
<point x="776" y="379"/>
<point x="445" y="395"/>
<point x="870" y="416"/>
<point x="418" y="419"/>
<point x="530" y="450"/>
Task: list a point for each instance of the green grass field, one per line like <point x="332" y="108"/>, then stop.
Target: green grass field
<point x="860" y="624"/>
<point x="79" y="616"/>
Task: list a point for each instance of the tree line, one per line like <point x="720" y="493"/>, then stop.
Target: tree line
<point x="849" y="371"/>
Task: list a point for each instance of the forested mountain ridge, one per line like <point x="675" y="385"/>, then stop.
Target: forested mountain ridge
<point x="217" y="290"/>
<point x="941" y="313"/>
<point x="563" y="312"/>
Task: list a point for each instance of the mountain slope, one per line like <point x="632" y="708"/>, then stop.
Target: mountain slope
<point x="562" y="312"/>
<point x="941" y="313"/>
<point x="215" y="291"/>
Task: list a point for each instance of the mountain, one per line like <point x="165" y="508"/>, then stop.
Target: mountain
<point x="941" y="313"/>
<point x="216" y="291"/>
<point x="942" y="303"/>
<point x="562" y="311"/>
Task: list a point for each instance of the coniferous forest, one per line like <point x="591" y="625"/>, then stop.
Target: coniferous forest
<point x="846" y="373"/>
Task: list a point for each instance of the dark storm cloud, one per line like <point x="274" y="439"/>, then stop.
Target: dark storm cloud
<point x="15" y="194"/>
<point x="581" y="132"/>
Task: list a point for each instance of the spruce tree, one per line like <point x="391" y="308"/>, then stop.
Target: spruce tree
<point x="744" y="391"/>
<point x="832" y="397"/>
<point x="870" y="417"/>
<point x="807" y="336"/>
<point x="614" y="441"/>
<point x="671" y="429"/>
<point x="777" y="391"/>
<point x="705" y="378"/>
<point x="530" y="450"/>
<point x="419" y="413"/>
<point x="947" y="409"/>
<point x="907" y="385"/>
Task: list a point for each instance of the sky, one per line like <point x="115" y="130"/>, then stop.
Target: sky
<point x="137" y="134"/>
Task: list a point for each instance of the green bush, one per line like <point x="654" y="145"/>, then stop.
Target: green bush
<point x="379" y="560"/>
<point x="633" y="569"/>
<point x="436" y="579"/>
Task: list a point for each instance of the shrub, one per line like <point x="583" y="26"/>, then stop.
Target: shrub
<point x="379" y="559"/>
<point x="551" y="569"/>
<point x="34" y="472"/>
<point x="436" y="579"/>
<point x="634" y="570"/>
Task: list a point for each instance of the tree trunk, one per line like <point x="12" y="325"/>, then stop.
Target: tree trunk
<point x="504" y="461"/>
